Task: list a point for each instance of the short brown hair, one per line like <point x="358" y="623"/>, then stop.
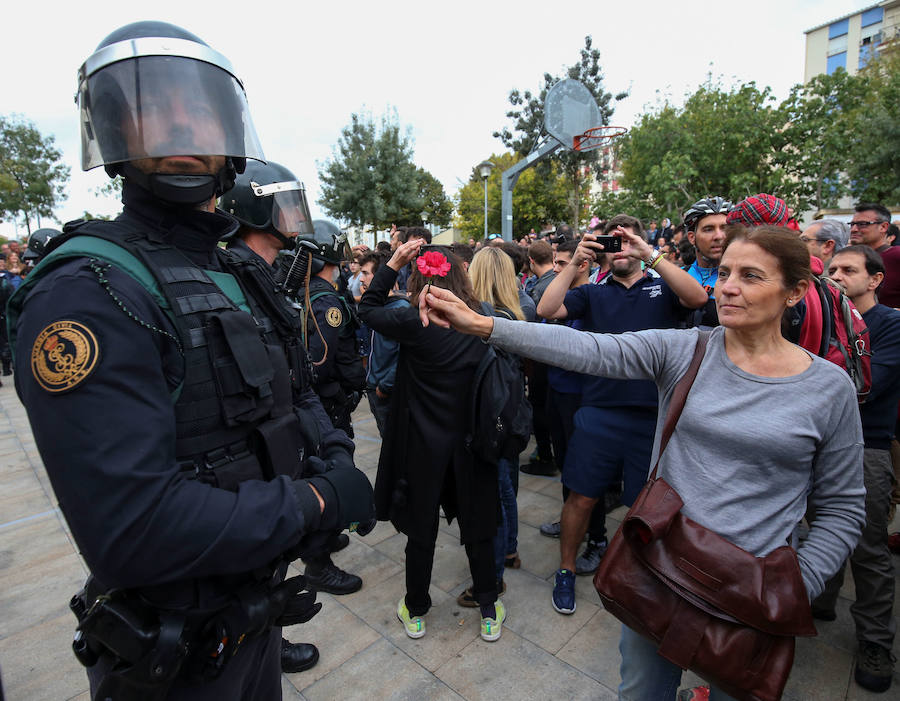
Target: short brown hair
<point x="624" y="220"/>
<point x="417" y="232"/>
<point x="779" y="241"/>
<point x="540" y="252"/>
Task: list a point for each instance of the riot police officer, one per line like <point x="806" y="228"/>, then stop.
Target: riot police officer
<point x="331" y="338"/>
<point x="37" y="245"/>
<point x="270" y="204"/>
<point x="162" y="400"/>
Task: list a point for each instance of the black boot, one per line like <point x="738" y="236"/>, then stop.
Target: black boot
<point x="328" y="577"/>
<point x="297" y="657"/>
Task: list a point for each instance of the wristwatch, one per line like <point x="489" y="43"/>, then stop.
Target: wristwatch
<point x="652" y="259"/>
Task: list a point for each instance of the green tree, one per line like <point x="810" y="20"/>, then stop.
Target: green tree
<point x="536" y="199"/>
<point x="32" y="180"/>
<point x="527" y="115"/>
<point x="721" y="142"/>
<point x="874" y="163"/>
<point x="371" y="177"/>
<point x="432" y="200"/>
<point x="817" y="138"/>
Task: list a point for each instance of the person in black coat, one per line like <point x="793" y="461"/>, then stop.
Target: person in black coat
<point x="424" y="463"/>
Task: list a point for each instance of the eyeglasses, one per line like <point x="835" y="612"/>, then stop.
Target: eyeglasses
<point x="863" y="224"/>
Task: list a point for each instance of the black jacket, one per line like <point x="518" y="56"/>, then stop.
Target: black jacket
<point x="423" y="444"/>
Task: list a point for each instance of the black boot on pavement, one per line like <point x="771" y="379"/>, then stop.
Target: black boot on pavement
<point x="297" y="657"/>
<point x="874" y="667"/>
<point x="330" y="578"/>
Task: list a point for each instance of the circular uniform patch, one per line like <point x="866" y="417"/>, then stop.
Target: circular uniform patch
<point x="334" y="317"/>
<point x="63" y="355"/>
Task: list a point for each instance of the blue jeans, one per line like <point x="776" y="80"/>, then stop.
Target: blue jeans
<point x="506" y="541"/>
<point x="646" y="676"/>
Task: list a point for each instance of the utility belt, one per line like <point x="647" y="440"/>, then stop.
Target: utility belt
<point x="277" y="446"/>
<point x="144" y="649"/>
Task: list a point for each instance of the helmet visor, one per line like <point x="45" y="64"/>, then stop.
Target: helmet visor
<point x="159" y="106"/>
<point x="290" y="212"/>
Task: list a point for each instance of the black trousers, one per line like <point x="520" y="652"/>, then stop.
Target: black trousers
<point x="537" y="397"/>
<point x="419" y="563"/>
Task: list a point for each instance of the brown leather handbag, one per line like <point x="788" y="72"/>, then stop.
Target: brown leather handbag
<point x="710" y="606"/>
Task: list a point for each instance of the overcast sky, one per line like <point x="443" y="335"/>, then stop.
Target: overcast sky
<point x="447" y="68"/>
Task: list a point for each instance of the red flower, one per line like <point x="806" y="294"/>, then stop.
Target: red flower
<point x="433" y="263"/>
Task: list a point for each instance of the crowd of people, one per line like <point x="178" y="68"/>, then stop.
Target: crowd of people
<point x="191" y="368"/>
<point x="597" y="422"/>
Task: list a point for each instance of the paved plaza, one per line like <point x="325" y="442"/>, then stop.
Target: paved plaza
<point x="364" y="652"/>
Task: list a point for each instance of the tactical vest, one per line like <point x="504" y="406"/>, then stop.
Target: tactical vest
<point x="234" y="407"/>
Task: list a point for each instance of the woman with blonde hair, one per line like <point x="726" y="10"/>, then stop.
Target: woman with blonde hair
<point x="494" y="283"/>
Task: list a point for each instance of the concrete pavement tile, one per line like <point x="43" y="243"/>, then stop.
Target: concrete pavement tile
<point x="32" y="542"/>
<point x="451" y="529"/>
<point x="38" y="593"/>
<point x="382" y="531"/>
<point x="366" y="562"/>
<point x="820" y="672"/>
<point x="38" y="663"/>
<point x="337" y="632"/>
<point x="444" y="637"/>
<point x="595" y="649"/>
<point x="552" y="487"/>
<point x="514" y="668"/>
<point x="84" y="696"/>
<point x="535" y="483"/>
<point x="379" y="672"/>
<point x="289" y="691"/>
<point x="23" y="497"/>
<point x="532" y="616"/>
<point x="539" y="554"/>
<point x="535" y="508"/>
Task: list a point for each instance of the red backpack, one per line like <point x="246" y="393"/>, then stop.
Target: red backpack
<point x="833" y="329"/>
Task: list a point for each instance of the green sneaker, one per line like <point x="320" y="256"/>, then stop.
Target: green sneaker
<point x="491" y="628"/>
<point x="415" y="626"/>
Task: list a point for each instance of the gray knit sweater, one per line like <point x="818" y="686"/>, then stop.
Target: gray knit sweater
<point x="747" y="450"/>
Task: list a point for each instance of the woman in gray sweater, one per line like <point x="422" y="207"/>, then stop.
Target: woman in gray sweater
<point x="767" y="426"/>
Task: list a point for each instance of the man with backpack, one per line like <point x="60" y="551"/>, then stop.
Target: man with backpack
<point x="860" y="270"/>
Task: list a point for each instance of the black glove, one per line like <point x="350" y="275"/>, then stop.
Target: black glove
<point x="363" y="529"/>
<point x="289" y="604"/>
<point x="353" y="491"/>
<point x="313" y="466"/>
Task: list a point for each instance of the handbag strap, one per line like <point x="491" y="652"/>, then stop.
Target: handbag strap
<point x="679" y="395"/>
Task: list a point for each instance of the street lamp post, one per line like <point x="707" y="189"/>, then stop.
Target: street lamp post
<point x="484" y="170"/>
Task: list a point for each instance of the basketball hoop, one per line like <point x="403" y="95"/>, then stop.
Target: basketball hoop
<point x="595" y="137"/>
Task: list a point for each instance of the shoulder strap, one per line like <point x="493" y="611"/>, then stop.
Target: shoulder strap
<point x="679" y="396"/>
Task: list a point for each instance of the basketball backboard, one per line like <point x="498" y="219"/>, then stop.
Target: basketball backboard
<point x="570" y="110"/>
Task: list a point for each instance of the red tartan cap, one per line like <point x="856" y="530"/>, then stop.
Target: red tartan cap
<point x="762" y="209"/>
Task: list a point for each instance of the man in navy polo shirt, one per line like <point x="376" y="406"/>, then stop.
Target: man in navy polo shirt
<point x="615" y="425"/>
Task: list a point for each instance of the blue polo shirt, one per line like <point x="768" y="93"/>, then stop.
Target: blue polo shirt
<point x="610" y="307"/>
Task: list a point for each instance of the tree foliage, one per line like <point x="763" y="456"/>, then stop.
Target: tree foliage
<point x="527" y="116"/>
<point x="720" y="142"/>
<point x="536" y="199"/>
<point x="371" y="177"/>
<point x="32" y="180"/>
<point x="874" y="166"/>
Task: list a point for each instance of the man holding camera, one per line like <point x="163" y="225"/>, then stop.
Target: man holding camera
<point x="615" y="425"/>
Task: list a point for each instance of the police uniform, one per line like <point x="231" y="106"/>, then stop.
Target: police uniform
<point x="170" y="415"/>
<point x="341" y="378"/>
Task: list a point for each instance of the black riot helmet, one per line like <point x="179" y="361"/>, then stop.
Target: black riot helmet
<point x="330" y="242"/>
<point x="153" y="90"/>
<point x="268" y="197"/>
<point x="37" y="244"/>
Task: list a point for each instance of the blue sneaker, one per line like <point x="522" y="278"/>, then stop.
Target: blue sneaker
<point x="564" y="592"/>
